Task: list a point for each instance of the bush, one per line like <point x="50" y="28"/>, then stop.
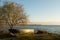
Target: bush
<point x="14" y="31"/>
<point x="41" y="32"/>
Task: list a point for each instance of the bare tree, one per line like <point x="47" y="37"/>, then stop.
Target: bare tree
<point x="12" y="14"/>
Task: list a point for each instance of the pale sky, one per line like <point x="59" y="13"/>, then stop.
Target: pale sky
<point x="41" y="10"/>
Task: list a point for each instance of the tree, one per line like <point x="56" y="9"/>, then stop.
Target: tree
<point x="12" y="14"/>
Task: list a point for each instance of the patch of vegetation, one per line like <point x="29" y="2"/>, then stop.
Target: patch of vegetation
<point x="18" y="36"/>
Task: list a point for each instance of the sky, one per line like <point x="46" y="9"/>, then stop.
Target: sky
<point x="41" y="10"/>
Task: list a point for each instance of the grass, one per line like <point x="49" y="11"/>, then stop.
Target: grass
<point x="44" y="36"/>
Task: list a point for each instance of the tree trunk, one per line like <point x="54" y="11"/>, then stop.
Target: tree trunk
<point x="11" y="27"/>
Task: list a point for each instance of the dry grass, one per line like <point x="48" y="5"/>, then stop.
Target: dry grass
<point x="44" y="36"/>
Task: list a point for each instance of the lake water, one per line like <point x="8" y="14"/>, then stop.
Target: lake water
<point x="49" y="28"/>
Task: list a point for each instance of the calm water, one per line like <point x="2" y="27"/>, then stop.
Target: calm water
<point x="49" y="28"/>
